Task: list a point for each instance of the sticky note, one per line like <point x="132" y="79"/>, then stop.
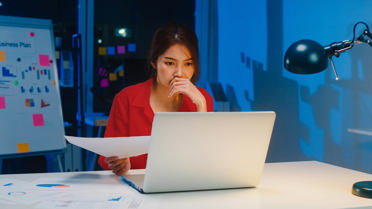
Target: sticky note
<point x="38" y="119"/>
<point x="66" y="64"/>
<point x="102" y="72"/>
<point x="104" y="83"/>
<point x="102" y="50"/>
<point x="110" y="50"/>
<point x="2" y="103"/>
<point x="23" y="147"/>
<point x="120" y="49"/>
<point x="2" y="56"/>
<point x="28" y="103"/>
<point x="44" y="60"/>
<point x="121" y="73"/>
<point x="113" y="77"/>
<point x="131" y="47"/>
<point x="57" y="54"/>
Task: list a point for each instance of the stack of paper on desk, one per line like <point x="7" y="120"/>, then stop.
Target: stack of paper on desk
<point x="117" y="146"/>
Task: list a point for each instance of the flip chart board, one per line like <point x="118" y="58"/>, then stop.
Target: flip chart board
<point x="30" y="107"/>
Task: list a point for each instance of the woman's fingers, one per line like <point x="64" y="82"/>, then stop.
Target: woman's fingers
<point x="111" y="159"/>
<point x="175" y="80"/>
<point x="118" y="167"/>
<point x="121" y="170"/>
<point x="179" y="81"/>
<point x="185" y="86"/>
<point x="118" y="162"/>
<point x="179" y="85"/>
<point x="176" y="89"/>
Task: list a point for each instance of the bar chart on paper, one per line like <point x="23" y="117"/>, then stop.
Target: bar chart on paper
<point x="50" y="193"/>
<point x="52" y="185"/>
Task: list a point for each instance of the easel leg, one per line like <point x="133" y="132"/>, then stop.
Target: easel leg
<point x="59" y="162"/>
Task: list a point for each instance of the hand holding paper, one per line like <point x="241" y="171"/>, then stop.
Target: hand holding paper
<point x="116" y="146"/>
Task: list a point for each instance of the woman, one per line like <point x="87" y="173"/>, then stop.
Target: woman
<point x="174" y="61"/>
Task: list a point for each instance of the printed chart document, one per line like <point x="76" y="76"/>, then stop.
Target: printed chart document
<point x="116" y="146"/>
<point x="77" y="191"/>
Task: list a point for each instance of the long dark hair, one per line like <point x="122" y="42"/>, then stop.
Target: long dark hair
<point x="169" y="35"/>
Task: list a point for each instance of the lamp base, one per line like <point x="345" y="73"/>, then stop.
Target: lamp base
<point x="363" y="189"/>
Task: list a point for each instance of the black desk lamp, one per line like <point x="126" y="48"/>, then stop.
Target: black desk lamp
<point x="309" y="57"/>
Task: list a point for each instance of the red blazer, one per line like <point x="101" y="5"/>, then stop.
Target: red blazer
<point x="132" y="115"/>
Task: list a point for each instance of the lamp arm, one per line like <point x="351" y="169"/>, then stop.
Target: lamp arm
<point x="365" y="37"/>
<point x="366" y="32"/>
<point x="334" y="69"/>
<point x="339" y="47"/>
<point x="356" y="24"/>
<point x="336" y="48"/>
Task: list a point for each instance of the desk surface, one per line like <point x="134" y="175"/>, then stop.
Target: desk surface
<point x="306" y="184"/>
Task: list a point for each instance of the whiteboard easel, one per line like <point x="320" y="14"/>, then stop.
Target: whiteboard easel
<point x="31" y="120"/>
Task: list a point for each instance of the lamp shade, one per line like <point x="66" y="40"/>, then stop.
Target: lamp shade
<point x="305" y="57"/>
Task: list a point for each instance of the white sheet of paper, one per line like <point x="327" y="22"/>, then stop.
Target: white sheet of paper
<point x="116" y="146"/>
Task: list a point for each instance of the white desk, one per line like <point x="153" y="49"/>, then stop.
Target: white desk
<point x="307" y="184"/>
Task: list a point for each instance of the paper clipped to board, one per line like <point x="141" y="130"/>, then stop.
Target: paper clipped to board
<point x="116" y="146"/>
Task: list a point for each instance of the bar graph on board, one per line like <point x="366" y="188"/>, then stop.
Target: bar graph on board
<point x="6" y="72"/>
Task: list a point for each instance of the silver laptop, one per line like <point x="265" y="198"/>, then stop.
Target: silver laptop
<point x="203" y="151"/>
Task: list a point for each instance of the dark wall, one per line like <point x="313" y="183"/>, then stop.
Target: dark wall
<point x="58" y="10"/>
<point x="142" y="18"/>
<point x="64" y="14"/>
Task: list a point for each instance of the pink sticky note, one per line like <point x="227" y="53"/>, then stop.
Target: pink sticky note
<point x="2" y="103"/>
<point x="102" y="72"/>
<point x="44" y="60"/>
<point x="38" y="119"/>
<point x="121" y="49"/>
<point x="104" y="83"/>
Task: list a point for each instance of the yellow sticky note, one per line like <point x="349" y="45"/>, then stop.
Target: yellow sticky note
<point x="23" y="147"/>
<point x="66" y="64"/>
<point x="121" y="73"/>
<point x="113" y="77"/>
<point x="2" y="56"/>
<point x="28" y="103"/>
<point x="57" y="54"/>
<point x="102" y="50"/>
